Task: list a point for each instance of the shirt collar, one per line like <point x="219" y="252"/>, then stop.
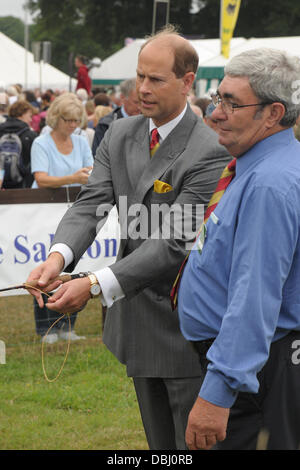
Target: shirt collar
<point x="262" y="150"/>
<point x="124" y="112"/>
<point x="165" y="129"/>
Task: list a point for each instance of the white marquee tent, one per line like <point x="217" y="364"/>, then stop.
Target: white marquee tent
<point x="18" y="66"/>
<point x="119" y="66"/>
<point x="211" y="71"/>
<point x="122" y="65"/>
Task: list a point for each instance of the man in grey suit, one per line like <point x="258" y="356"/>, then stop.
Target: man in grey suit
<point x="140" y="328"/>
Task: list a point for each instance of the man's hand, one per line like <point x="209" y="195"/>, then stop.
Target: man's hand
<point x="70" y="297"/>
<point x="44" y="274"/>
<point x="207" y="425"/>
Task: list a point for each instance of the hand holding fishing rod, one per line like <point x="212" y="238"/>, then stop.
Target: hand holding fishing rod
<point x="34" y="284"/>
<point x="46" y="276"/>
<point x="70" y="297"/>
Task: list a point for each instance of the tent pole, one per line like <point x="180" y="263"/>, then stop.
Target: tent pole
<point x="26" y="44"/>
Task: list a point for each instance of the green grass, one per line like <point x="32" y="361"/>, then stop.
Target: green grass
<point x="91" y="406"/>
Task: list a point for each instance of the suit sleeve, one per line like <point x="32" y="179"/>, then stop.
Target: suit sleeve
<point x="99" y="134"/>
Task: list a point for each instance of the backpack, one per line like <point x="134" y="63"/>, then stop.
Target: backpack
<point x="11" y="157"/>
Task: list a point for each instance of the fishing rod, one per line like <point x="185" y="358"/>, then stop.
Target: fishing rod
<point x="63" y="278"/>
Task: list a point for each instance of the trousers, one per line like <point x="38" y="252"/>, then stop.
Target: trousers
<point x="270" y="419"/>
<point x="165" y="404"/>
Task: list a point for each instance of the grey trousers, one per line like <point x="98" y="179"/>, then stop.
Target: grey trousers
<point x="165" y="404"/>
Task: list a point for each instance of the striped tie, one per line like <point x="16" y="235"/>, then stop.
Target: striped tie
<point x="224" y="181"/>
<point x="154" y="144"/>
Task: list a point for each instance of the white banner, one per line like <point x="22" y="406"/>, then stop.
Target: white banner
<point x="25" y="238"/>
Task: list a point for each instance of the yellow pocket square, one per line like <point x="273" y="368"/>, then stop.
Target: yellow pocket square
<point x="161" y="187"/>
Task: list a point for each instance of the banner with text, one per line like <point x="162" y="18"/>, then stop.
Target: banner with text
<point x="25" y="238"/>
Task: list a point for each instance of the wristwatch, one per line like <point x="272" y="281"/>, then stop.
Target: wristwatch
<point x="95" y="289"/>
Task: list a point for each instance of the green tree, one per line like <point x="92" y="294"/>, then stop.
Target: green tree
<point x="257" y="18"/>
<point x="99" y="28"/>
<point x="13" y="28"/>
<point x="266" y="18"/>
<point x="63" y="24"/>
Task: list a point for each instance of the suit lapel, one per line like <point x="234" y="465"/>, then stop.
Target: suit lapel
<point x="137" y="153"/>
<point x="170" y="149"/>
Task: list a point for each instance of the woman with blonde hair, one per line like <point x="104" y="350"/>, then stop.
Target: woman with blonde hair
<point x="60" y="157"/>
<point x="100" y="112"/>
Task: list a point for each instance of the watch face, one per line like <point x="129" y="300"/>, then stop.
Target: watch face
<point x="95" y="289"/>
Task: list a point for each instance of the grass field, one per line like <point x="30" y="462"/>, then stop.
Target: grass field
<point x="92" y="405"/>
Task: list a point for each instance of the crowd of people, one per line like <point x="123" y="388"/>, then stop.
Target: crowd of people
<point x="25" y="112"/>
<point x="222" y="365"/>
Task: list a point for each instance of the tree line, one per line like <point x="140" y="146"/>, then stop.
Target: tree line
<point x="99" y="28"/>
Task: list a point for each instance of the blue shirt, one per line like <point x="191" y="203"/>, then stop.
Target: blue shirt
<point x="244" y="289"/>
<point x="45" y="157"/>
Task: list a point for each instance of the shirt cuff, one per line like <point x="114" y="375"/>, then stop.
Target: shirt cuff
<point x="110" y="287"/>
<point x="65" y="251"/>
<point x="216" y="391"/>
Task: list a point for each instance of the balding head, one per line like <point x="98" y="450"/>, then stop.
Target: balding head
<point x="185" y="56"/>
<point x="165" y="75"/>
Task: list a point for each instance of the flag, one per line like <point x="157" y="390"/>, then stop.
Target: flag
<point x="229" y="15"/>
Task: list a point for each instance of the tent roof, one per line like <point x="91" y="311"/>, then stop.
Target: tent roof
<point x="119" y="66"/>
<point x="289" y="44"/>
<point x="122" y="64"/>
<point x="13" y="60"/>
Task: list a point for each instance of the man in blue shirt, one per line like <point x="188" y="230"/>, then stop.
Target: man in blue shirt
<point x="239" y="296"/>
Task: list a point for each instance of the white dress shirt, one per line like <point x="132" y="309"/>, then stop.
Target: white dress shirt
<point x="111" y="289"/>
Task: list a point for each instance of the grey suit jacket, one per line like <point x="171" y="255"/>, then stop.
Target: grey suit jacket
<point x="141" y="329"/>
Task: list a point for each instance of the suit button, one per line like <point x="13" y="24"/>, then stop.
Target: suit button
<point x="159" y="298"/>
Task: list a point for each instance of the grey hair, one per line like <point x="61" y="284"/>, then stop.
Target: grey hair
<point x="127" y="86"/>
<point x="273" y="75"/>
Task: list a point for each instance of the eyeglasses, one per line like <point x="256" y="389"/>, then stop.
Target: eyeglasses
<point x="71" y="121"/>
<point x="229" y="107"/>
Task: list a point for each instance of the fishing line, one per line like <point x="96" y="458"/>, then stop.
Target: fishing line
<point x="33" y="285"/>
<point x="29" y="286"/>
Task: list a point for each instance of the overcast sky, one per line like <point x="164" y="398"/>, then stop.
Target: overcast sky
<point x="13" y="8"/>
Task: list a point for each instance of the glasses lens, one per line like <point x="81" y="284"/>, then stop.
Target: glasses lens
<point x="227" y="107"/>
<point x="72" y="121"/>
